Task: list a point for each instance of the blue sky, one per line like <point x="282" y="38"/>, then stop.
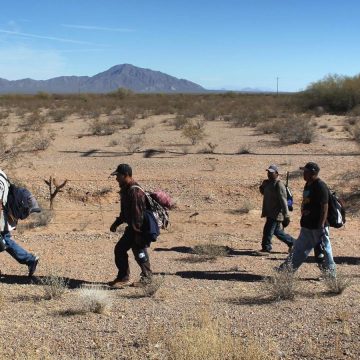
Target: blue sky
<point x="218" y="44"/>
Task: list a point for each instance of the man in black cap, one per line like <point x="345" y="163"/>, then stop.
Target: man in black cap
<point x="314" y="233"/>
<point x="133" y="205"/>
<point x="275" y="210"/>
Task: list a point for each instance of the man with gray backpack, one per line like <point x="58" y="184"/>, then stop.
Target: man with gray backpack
<point x="16" y="203"/>
<point x="276" y="210"/>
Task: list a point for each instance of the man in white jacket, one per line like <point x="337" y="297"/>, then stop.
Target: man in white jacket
<point x="8" y="223"/>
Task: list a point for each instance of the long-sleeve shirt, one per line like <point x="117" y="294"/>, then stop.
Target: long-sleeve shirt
<point x="275" y="200"/>
<point x="133" y="205"/>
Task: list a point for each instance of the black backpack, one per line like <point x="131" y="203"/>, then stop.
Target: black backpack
<point x="289" y="195"/>
<point x="336" y="211"/>
<point x="21" y="202"/>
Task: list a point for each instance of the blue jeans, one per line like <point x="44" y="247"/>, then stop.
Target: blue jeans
<point x="16" y="251"/>
<point x="308" y="240"/>
<point x="273" y="227"/>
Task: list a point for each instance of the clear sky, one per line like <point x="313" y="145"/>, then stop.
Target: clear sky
<point x="218" y="44"/>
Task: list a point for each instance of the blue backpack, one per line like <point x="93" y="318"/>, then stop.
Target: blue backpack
<point x="289" y="195"/>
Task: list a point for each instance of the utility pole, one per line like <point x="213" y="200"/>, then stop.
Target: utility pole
<point x="277" y="86"/>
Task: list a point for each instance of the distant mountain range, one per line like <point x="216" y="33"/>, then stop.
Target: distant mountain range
<point x="120" y="76"/>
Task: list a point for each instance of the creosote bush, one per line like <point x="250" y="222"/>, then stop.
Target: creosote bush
<point x="296" y="131"/>
<point x="194" y="131"/>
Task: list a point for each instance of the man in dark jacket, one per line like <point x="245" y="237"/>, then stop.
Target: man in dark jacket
<point x="314" y="231"/>
<point x="133" y="206"/>
<point x="275" y="210"/>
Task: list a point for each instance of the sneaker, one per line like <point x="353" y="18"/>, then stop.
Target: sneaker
<point x="265" y="251"/>
<point x="33" y="265"/>
<point x="118" y="283"/>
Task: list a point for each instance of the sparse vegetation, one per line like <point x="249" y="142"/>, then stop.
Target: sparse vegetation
<point x="211" y="250"/>
<point x="336" y="284"/>
<point x="194" y="131"/>
<point x="134" y="142"/>
<point x="282" y="285"/>
<point x="209" y="339"/>
<point x="298" y="130"/>
<point x="151" y="286"/>
<point x="101" y="128"/>
<point x="54" y="286"/>
<point x="94" y="299"/>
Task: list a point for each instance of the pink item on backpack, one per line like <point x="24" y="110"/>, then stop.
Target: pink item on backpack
<point x="162" y="198"/>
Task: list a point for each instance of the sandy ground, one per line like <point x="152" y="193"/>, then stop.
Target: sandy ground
<point x="77" y="245"/>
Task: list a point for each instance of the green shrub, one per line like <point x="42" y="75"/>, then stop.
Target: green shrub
<point x="194" y="131"/>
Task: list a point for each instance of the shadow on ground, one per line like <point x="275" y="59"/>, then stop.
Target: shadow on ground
<point x="219" y="275"/>
<point x="37" y="280"/>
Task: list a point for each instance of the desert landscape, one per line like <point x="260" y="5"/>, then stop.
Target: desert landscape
<point x="212" y="291"/>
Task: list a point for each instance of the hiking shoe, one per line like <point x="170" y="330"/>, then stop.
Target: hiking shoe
<point x="265" y="251"/>
<point x="144" y="280"/>
<point x="33" y="265"/>
<point x="118" y="283"/>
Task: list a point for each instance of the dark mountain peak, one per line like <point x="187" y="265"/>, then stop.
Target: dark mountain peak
<point x="119" y="76"/>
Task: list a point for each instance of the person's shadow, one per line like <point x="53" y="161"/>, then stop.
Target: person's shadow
<point x="220" y="275"/>
<point x="42" y="280"/>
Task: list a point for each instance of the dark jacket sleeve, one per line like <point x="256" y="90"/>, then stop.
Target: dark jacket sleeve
<point x="138" y="206"/>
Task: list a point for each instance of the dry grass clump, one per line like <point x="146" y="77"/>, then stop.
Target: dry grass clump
<point x="152" y="285"/>
<point x="211" y="251"/>
<point x="54" y="286"/>
<point x="243" y="150"/>
<point x="270" y="126"/>
<point x="58" y="115"/>
<point x="36" y="220"/>
<point x="180" y="122"/>
<point x="94" y="299"/>
<point x="283" y="284"/>
<point x="134" y="142"/>
<point x="4" y="114"/>
<point x="209" y="149"/>
<point x="101" y="128"/>
<point x="33" y="122"/>
<point x="245" y="208"/>
<point x="336" y="284"/>
<point x="206" y="339"/>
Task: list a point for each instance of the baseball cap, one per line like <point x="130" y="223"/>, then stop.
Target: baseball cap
<point x="123" y="169"/>
<point x="273" y="168"/>
<point x="311" y="166"/>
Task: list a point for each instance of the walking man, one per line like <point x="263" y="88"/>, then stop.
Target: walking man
<point x="8" y="222"/>
<point x="314" y="233"/>
<point x="275" y="210"/>
<point x="132" y="208"/>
